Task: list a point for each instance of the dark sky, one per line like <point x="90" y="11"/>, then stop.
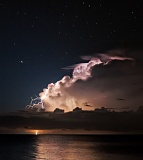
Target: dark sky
<point x="39" y="38"/>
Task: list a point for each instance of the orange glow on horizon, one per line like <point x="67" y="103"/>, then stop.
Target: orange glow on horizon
<point x="36" y="132"/>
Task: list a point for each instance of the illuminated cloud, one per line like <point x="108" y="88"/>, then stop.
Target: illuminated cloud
<point x="102" y="80"/>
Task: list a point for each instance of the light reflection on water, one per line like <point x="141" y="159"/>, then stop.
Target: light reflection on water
<point x="81" y="148"/>
<point x="65" y="148"/>
<point x="70" y="147"/>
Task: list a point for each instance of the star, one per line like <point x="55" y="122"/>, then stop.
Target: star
<point x="21" y="61"/>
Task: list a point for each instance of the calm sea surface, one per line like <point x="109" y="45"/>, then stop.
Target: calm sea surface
<point x="71" y="147"/>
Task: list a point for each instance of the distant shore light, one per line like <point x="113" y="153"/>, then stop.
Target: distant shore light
<point x="36" y="132"/>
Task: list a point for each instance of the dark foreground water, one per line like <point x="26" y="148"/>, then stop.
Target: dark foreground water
<point x="71" y="147"/>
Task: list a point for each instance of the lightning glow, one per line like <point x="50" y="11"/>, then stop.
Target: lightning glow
<point x="35" y="103"/>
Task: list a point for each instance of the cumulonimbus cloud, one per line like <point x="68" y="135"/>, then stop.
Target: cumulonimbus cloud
<point x="102" y="80"/>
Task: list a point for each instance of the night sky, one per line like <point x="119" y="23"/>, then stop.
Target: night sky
<point x="39" y="38"/>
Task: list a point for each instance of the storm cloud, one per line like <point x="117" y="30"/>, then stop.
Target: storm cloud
<point x="100" y="81"/>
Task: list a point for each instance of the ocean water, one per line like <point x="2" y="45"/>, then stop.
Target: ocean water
<point x="71" y="147"/>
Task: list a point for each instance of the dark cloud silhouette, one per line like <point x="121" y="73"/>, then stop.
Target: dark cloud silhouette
<point x="100" y="119"/>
